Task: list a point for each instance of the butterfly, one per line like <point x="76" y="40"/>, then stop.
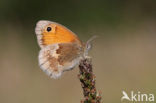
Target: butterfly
<point x="61" y="49"/>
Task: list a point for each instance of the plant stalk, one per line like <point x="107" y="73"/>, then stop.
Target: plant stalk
<point x="87" y="79"/>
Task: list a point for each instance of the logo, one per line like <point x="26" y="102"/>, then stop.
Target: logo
<point x="137" y="97"/>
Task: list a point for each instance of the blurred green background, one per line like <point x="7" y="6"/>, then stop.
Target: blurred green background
<point x="124" y="55"/>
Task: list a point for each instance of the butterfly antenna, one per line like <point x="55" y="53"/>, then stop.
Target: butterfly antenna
<point x="88" y="45"/>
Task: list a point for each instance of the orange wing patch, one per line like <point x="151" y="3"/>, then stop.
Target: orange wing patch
<point x="51" y="33"/>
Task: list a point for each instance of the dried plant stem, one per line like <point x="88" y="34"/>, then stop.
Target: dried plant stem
<point x="87" y="79"/>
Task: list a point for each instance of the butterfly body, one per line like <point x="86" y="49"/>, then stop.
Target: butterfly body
<point x="61" y="50"/>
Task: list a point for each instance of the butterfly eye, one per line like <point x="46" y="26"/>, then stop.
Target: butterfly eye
<point x="49" y="29"/>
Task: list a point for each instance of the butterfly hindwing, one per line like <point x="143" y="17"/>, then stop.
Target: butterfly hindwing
<point x="56" y="58"/>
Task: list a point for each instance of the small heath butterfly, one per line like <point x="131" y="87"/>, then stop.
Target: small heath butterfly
<point x="61" y="49"/>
